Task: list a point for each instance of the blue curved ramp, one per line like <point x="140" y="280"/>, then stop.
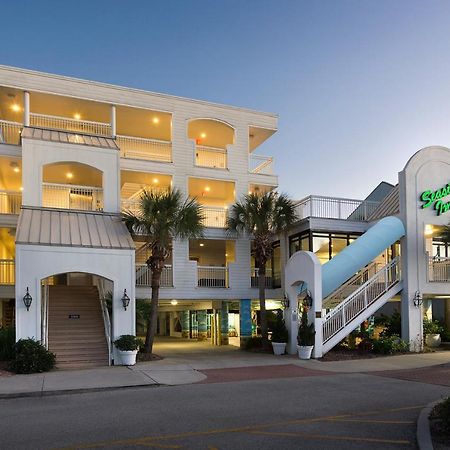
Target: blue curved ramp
<point x="360" y="253"/>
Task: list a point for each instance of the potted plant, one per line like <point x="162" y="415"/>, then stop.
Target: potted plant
<point x="305" y="337"/>
<point x="432" y="330"/>
<point x="128" y="346"/>
<point x="280" y="335"/>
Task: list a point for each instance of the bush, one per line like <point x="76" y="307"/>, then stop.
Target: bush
<point x="392" y="324"/>
<point x="432" y="327"/>
<point x="31" y="357"/>
<point x="127" y="343"/>
<point x="7" y="342"/>
<point x="306" y="333"/>
<point x="254" y="342"/>
<point x="441" y="412"/>
<point x="279" y="330"/>
<point x="388" y="345"/>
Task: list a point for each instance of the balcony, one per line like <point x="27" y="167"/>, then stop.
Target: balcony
<point x="438" y="269"/>
<point x="65" y="196"/>
<point x="270" y="283"/>
<point x="214" y="217"/>
<point x="335" y="208"/>
<point x="212" y="157"/>
<point x="7" y="275"/>
<point x="143" y="148"/>
<point x="212" y="277"/>
<point x="10" y="202"/>
<point x="10" y="132"/>
<point x="261" y="164"/>
<point x="144" y="276"/>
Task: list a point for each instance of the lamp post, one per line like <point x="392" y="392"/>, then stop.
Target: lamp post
<point x="27" y="300"/>
<point x="125" y="300"/>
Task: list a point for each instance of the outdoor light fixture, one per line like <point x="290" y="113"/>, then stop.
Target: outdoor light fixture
<point x="155" y="120"/>
<point x="125" y="300"/>
<point x="418" y="299"/>
<point x="285" y="302"/>
<point x="27" y="299"/>
<point x="173" y="302"/>
<point x="308" y="301"/>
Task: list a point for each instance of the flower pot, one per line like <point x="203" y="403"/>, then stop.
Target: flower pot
<point x="128" y="358"/>
<point x="304" y="351"/>
<point x="433" y="340"/>
<point x="279" y="348"/>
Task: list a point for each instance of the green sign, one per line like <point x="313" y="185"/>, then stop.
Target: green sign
<point x="435" y="198"/>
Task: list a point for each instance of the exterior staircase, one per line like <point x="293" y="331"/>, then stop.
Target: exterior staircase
<point x="76" y="332"/>
<point x="363" y="302"/>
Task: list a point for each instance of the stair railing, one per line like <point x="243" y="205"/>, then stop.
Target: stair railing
<point x="44" y="326"/>
<point x="340" y="316"/>
<point x="106" y="318"/>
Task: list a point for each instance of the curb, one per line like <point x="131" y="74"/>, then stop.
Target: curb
<point x="75" y="391"/>
<point x="423" y="433"/>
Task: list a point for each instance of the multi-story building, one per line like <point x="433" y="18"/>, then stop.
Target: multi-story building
<point x="73" y="155"/>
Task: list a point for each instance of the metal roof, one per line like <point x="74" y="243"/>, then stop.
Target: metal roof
<point x="390" y="206"/>
<point x="68" y="228"/>
<point x="68" y="137"/>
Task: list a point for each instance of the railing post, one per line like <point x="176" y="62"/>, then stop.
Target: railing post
<point x="26" y="109"/>
<point x="113" y="121"/>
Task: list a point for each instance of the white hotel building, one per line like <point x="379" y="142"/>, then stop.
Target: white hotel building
<point x="75" y="153"/>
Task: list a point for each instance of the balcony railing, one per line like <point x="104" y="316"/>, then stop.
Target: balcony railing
<point x="214" y="217"/>
<point x="439" y="269"/>
<point x="144" y="276"/>
<point x="7" y="276"/>
<point x="10" y="202"/>
<point x="210" y="157"/>
<point x="212" y="277"/>
<point x="335" y="208"/>
<point x="65" y="196"/>
<point x="68" y="124"/>
<point x="142" y="148"/>
<point x="261" y="164"/>
<point x="254" y="280"/>
<point x="10" y="132"/>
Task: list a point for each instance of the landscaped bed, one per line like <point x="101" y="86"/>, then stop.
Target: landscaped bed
<point x="440" y="425"/>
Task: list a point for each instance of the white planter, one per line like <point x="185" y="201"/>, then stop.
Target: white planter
<point x="433" y="340"/>
<point x="304" y="351"/>
<point x="128" y="358"/>
<point x="279" y="348"/>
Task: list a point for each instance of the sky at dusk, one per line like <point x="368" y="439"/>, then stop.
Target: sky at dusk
<point x="359" y="86"/>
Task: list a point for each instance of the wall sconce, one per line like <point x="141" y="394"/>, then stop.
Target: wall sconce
<point x="27" y="299"/>
<point x="418" y="299"/>
<point x="308" y="301"/>
<point x="125" y="300"/>
<point x="285" y="302"/>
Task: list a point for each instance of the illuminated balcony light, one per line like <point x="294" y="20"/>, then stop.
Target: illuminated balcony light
<point x="15" y="107"/>
<point x="202" y="245"/>
<point x="203" y="135"/>
<point x="69" y="175"/>
<point x="77" y="116"/>
<point x="173" y="302"/>
<point x="428" y="230"/>
<point x="207" y="188"/>
<point x="155" y="180"/>
<point x="155" y="120"/>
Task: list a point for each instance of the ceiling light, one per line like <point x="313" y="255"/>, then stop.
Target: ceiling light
<point x="77" y="116"/>
<point x="15" y="167"/>
<point x="15" y="107"/>
<point x="69" y="175"/>
<point x="155" y="120"/>
<point x="226" y="254"/>
<point x="202" y="245"/>
<point x="207" y="188"/>
<point x="21" y="188"/>
<point x="428" y="230"/>
<point x="203" y="135"/>
<point x="155" y="180"/>
<point x="174" y="302"/>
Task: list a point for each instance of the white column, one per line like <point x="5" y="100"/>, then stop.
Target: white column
<point x="113" y="121"/>
<point x="26" y="109"/>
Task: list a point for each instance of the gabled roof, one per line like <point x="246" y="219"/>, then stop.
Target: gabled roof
<point x="68" y="137"/>
<point x="68" y="228"/>
<point x="390" y="206"/>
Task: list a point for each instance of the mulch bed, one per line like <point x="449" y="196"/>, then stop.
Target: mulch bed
<point x="343" y="354"/>
<point x="142" y="357"/>
<point x="3" y="372"/>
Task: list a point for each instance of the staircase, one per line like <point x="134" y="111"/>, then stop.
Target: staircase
<point x="76" y="332"/>
<point x="370" y="296"/>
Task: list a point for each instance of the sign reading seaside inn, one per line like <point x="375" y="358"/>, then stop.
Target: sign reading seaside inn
<point x="435" y="198"/>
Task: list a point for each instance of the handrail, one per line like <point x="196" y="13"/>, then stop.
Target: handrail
<point x="106" y="318"/>
<point x="7" y="275"/>
<point x="143" y="139"/>
<point x="69" y="119"/>
<point x="337" y="318"/>
<point x="73" y="186"/>
<point x="45" y="308"/>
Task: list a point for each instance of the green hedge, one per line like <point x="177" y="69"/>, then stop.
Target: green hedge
<point x="31" y="357"/>
<point x="7" y="341"/>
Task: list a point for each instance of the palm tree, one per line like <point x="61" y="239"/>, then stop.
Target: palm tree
<point x="262" y="216"/>
<point x="162" y="217"/>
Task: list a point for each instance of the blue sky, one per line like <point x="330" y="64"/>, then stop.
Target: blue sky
<point x="359" y="85"/>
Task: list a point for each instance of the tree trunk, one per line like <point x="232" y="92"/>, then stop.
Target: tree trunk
<point x="262" y="304"/>
<point x="152" y="320"/>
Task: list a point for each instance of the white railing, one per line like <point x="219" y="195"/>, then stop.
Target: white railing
<point x="337" y="319"/>
<point x="254" y="280"/>
<point x="10" y="132"/>
<point x="350" y="285"/>
<point x="143" y="148"/>
<point x="212" y="277"/>
<point x="66" y="196"/>
<point x="10" y="202"/>
<point x="335" y="208"/>
<point x="438" y="269"/>
<point x="7" y="275"/>
<point x="44" y="311"/>
<point x="144" y="276"/>
<point x="68" y="124"/>
<point x="210" y="157"/>
<point x="261" y="164"/>
<point x="214" y="217"/>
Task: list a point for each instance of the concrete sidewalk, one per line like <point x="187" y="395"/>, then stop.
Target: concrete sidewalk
<point x="188" y="369"/>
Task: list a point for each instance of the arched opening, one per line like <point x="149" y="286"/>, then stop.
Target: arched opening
<point x="76" y="311"/>
<point x="72" y="185"/>
<point x="211" y="138"/>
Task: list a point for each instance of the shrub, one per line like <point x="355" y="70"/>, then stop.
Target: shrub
<point x="31" y="357"/>
<point x="127" y="343"/>
<point x="445" y="334"/>
<point x="432" y="327"/>
<point x="279" y="330"/>
<point x="387" y="345"/>
<point x="306" y="333"/>
<point x="7" y="342"/>
<point x="254" y="342"/>
<point x="393" y="324"/>
<point x="441" y="412"/>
